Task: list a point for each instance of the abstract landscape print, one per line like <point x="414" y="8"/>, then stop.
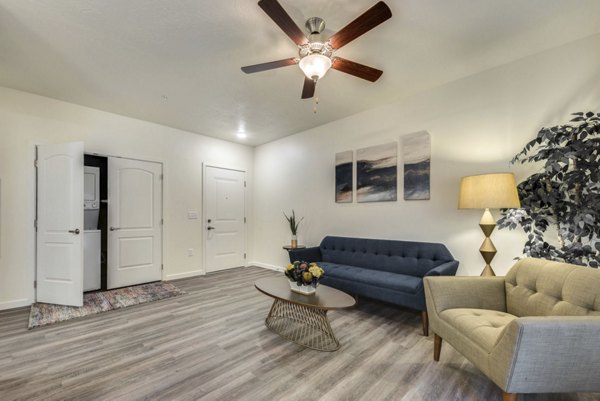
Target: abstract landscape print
<point x="343" y="176"/>
<point x="417" y="157"/>
<point x="377" y="173"/>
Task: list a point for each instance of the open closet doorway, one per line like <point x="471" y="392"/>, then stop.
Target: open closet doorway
<point x="98" y="223"/>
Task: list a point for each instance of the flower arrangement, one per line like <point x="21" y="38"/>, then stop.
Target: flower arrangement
<point x="304" y="273"/>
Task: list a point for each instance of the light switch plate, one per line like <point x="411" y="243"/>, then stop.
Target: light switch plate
<point x="192" y="215"/>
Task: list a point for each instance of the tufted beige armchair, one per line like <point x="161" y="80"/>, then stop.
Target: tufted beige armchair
<point x="537" y="330"/>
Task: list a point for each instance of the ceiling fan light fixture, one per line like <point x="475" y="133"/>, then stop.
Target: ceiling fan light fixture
<point x="315" y="65"/>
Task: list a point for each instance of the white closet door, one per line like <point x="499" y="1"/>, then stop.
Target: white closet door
<point x="60" y="224"/>
<point x="134" y="220"/>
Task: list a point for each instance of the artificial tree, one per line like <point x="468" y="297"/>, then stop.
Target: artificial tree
<point x="565" y="194"/>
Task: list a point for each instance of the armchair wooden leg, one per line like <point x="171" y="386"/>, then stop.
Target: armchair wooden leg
<point x="509" y="396"/>
<point x="437" y="347"/>
<point x="425" y="323"/>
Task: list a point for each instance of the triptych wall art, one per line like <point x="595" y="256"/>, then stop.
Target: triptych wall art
<point x="377" y="171"/>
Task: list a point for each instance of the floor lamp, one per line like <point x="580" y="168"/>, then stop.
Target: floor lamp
<point x="488" y="191"/>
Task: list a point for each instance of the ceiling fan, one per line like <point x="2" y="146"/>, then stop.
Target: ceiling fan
<point x="315" y="56"/>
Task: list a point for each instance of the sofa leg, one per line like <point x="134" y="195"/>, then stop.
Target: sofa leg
<point x="437" y="347"/>
<point x="509" y="396"/>
<point x="425" y="323"/>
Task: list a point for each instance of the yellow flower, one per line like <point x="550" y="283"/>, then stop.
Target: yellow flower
<point x="316" y="271"/>
<point x="290" y="266"/>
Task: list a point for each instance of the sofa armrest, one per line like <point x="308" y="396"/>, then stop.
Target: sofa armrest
<point x="444" y="293"/>
<point x="548" y="354"/>
<point x="445" y="269"/>
<point x="307" y="254"/>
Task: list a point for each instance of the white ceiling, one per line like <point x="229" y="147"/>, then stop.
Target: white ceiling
<point x="177" y="62"/>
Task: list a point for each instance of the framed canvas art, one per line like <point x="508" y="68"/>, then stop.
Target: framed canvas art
<point x="344" y="176"/>
<point x="416" y="154"/>
<point x="377" y="173"/>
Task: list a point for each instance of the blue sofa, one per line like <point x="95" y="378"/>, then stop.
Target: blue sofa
<point x="385" y="270"/>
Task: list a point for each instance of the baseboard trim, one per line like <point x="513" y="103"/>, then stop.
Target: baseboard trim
<point x="266" y="266"/>
<point x="177" y="276"/>
<point x="17" y="303"/>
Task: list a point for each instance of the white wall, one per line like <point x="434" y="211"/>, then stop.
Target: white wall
<point x="27" y="120"/>
<point x="476" y="124"/>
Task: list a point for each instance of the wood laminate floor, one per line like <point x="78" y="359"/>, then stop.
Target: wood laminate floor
<point x="212" y="344"/>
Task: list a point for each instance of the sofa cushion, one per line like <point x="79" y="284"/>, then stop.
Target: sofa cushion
<point x="406" y="257"/>
<point x="481" y="326"/>
<point x="393" y="281"/>
<point x="536" y="287"/>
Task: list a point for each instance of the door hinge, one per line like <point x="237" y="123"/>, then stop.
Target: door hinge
<point x="244" y="219"/>
<point x="34" y="283"/>
<point x="161" y="176"/>
<point x="35" y="224"/>
<point x="162" y="267"/>
<point x="162" y="222"/>
<point x="35" y="163"/>
<point x="244" y="184"/>
<point x="244" y="256"/>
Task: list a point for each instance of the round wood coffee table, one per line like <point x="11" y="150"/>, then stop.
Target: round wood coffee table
<point x="303" y="318"/>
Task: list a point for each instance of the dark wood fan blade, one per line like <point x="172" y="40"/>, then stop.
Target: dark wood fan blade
<point x="308" y="90"/>
<point x="356" y="69"/>
<point x="249" y="69"/>
<point x="283" y="20"/>
<point x="374" y="16"/>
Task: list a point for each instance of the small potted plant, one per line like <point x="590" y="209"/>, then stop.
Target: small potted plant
<point x="294" y="223"/>
<point x="304" y="277"/>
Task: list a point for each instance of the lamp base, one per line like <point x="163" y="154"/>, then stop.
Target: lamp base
<point x="487" y="249"/>
<point x="488" y="271"/>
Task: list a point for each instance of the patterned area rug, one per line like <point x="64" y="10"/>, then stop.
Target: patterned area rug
<point x="42" y="314"/>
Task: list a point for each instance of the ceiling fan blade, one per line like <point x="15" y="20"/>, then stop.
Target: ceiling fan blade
<point x="249" y="69"/>
<point x="356" y="69"/>
<point x="374" y="16"/>
<point x="283" y="20"/>
<point x="308" y="90"/>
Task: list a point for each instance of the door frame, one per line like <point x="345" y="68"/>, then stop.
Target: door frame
<point x="205" y="224"/>
<point x="162" y="210"/>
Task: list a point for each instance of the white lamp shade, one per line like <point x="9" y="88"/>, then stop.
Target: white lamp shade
<point x="488" y="191"/>
<point x="315" y="65"/>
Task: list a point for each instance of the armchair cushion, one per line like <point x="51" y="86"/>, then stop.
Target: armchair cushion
<point x="546" y="288"/>
<point x="481" y="326"/>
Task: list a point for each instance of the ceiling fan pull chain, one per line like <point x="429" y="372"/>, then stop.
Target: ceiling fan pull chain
<point x="316" y="102"/>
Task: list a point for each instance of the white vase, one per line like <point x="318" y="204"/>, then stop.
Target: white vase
<point x="302" y="289"/>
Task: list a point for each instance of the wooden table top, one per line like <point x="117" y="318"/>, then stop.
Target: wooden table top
<point x="325" y="297"/>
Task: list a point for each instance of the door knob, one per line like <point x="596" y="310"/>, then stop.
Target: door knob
<point x="115" y="228"/>
<point x="210" y="228"/>
<point x="75" y="231"/>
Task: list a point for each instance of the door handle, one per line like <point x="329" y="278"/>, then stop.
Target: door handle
<point x="75" y="231"/>
<point x="115" y="228"/>
<point x="210" y="228"/>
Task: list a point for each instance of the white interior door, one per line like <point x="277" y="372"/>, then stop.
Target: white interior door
<point x="135" y="222"/>
<point x="224" y="218"/>
<point x="60" y="224"/>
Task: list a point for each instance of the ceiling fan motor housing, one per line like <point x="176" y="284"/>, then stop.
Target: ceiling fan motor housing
<point x="316" y="44"/>
<point x="315" y="25"/>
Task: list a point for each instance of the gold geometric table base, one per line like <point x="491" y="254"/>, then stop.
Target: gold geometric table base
<point x="305" y="326"/>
